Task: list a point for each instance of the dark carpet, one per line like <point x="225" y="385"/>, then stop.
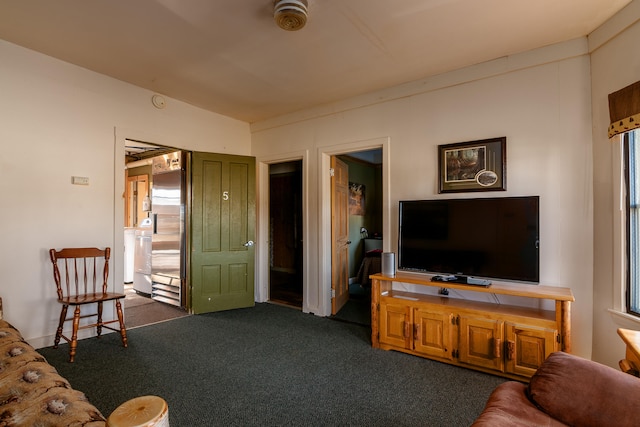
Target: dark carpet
<point x="272" y="365"/>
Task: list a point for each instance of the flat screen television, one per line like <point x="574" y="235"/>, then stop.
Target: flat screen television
<point x="494" y="238"/>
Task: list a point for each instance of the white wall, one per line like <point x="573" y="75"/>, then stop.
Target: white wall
<point x="615" y="63"/>
<point x="539" y="100"/>
<point x="59" y="120"/>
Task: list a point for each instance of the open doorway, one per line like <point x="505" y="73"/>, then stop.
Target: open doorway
<point x="285" y="233"/>
<point x="139" y="308"/>
<point x="365" y="231"/>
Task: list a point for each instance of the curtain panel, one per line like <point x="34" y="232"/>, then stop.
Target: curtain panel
<point x="624" y="109"/>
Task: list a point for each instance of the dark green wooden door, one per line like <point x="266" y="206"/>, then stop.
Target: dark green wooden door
<point x="222" y="232"/>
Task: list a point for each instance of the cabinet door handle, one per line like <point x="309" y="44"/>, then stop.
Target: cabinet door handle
<point x="407" y="331"/>
<point x="497" y="348"/>
<point x="511" y="350"/>
<point x="416" y="331"/>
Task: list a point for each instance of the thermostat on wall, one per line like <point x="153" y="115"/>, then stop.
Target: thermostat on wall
<point x="80" y="180"/>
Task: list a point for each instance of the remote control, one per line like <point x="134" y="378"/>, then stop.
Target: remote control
<point x="478" y="282"/>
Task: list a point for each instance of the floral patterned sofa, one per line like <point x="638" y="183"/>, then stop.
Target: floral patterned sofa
<point x="32" y="393"/>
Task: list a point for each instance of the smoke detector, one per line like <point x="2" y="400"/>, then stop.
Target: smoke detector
<point x="290" y="15"/>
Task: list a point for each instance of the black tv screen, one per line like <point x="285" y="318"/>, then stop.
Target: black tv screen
<point x="490" y="237"/>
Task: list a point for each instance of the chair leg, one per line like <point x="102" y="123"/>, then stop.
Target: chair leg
<point x="73" y="344"/>
<point x="123" y="330"/>
<point x="63" y="316"/>
<point x="99" y="324"/>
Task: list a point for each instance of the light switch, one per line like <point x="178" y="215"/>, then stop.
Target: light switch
<point x="80" y="180"/>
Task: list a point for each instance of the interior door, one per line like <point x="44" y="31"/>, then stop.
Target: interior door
<point x="136" y="191"/>
<point x="339" y="234"/>
<point x="222" y="232"/>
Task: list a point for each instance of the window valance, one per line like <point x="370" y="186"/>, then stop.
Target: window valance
<point x="624" y="109"/>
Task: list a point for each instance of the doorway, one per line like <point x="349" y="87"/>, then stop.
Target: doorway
<point x="285" y="233"/>
<point x="365" y="232"/>
<point x="139" y="308"/>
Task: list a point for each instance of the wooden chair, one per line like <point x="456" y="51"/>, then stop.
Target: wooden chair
<point x="81" y="278"/>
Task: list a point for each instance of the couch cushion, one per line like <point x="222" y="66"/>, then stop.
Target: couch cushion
<point x="581" y="392"/>
<point x="508" y="405"/>
<point x="32" y="393"/>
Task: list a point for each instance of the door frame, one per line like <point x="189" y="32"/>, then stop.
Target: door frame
<point x="262" y="227"/>
<point x="324" y="226"/>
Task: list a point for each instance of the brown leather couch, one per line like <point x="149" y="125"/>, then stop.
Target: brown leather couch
<point x="565" y="390"/>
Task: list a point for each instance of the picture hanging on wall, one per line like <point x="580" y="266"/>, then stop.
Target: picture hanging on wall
<point x="473" y="166"/>
<point x="356" y="199"/>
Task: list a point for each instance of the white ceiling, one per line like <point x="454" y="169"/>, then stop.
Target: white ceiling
<point x="228" y="56"/>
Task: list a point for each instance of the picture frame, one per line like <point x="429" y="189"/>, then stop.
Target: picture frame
<point x="473" y="166"/>
<point x="356" y="199"/>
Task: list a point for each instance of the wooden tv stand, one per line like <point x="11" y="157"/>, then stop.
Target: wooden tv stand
<point x="505" y="340"/>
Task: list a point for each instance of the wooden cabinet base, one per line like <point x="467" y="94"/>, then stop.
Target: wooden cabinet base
<point x="631" y="363"/>
<point x="506" y="340"/>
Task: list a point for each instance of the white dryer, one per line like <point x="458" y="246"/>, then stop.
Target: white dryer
<point x="142" y="258"/>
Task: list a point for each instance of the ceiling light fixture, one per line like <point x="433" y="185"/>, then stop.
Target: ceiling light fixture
<point x="290" y="15"/>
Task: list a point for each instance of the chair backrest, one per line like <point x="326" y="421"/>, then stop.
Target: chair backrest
<point x="79" y="271"/>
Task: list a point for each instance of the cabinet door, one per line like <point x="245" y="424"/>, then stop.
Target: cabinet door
<point x="527" y="347"/>
<point x="481" y="342"/>
<point x="395" y="324"/>
<point x="432" y="332"/>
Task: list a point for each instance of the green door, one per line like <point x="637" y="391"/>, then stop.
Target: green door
<point x="222" y="232"/>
